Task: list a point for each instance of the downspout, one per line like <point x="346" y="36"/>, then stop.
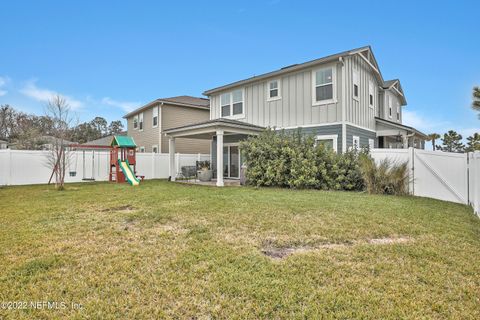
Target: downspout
<point x="344" y="88"/>
<point x="160" y="127"/>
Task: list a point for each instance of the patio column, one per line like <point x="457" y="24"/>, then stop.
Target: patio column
<point x="219" y="158"/>
<point x="171" y="153"/>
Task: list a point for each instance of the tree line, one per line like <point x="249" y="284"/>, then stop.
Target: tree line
<point x="452" y="141"/>
<point x="26" y="130"/>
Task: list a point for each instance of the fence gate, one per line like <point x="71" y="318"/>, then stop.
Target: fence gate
<point x="440" y="175"/>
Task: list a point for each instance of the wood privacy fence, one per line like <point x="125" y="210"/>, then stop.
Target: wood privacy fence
<point x="440" y="175"/>
<point x="19" y="167"/>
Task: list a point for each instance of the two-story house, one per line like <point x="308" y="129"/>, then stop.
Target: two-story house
<point x="147" y="123"/>
<point x="341" y="99"/>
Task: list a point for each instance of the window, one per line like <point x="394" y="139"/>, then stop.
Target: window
<point x="231" y="104"/>
<point x="155" y="117"/>
<point x="274" y="90"/>
<point x="328" y="141"/>
<point x="371" y="94"/>
<point x="155" y="149"/>
<point x="389" y="106"/>
<point x="323" y="86"/>
<point x="356" y="142"/>
<point x="140" y="121"/>
<point x="398" y="112"/>
<point x="135" y="122"/>
<point x="371" y="144"/>
<point x="356" y="84"/>
<point x="142" y="149"/>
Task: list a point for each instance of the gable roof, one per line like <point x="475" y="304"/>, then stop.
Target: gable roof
<point x="123" y="141"/>
<point x="183" y="101"/>
<point x="397" y="88"/>
<point x="365" y="52"/>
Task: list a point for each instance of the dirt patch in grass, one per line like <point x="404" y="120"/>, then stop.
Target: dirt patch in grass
<point x="283" y="252"/>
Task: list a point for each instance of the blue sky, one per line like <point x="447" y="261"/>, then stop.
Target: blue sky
<point x="108" y="57"/>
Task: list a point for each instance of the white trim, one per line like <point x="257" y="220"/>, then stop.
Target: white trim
<point x="228" y="145"/>
<point x="356" y="81"/>
<point x="155" y="109"/>
<point x="135" y="117"/>
<point x="334" y="85"/>
<point x="310" y="126"/>
<point x="279" y="90"/>
<point x="356" y="138"/>
<point x="333" y="137"/>
<point x="390" y="113"/>
<point x="371" y="143"/>
<point x="371" y="92"/>
<point x="231" y="115"/>
<point x="140" y="120"/>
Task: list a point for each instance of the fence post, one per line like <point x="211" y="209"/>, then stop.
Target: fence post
<point x="177" y="160"/>
<point x="411" y="170"/>
<point x="198" y="156"/>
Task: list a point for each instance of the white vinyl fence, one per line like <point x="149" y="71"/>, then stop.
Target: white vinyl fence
<point x="18" y="167"/>
<point x="440" y="175"/>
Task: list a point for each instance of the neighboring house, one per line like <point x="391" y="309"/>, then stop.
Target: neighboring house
<point x="103" y="142"/>
<point x="3" y="144"/>
<point x="341" y="99"/>
<point x="147" y="123"/>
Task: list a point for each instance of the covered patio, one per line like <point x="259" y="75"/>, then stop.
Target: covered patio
<point x="224" y="135"/>
<point x="398" y="136"/>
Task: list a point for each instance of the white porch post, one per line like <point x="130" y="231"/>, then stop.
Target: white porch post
<point x="405" y="142"/>
<point x="219" y="158"/>
<point x="171" y="153"/>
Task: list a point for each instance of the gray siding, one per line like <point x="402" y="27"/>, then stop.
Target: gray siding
<point x="295" y="106"/>
<point x="325" y="130"/>
<point x="226" y="139"/>
<point x="363" y="134"/>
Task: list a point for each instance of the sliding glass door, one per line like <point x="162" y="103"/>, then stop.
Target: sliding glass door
<point x="231" y="161"/>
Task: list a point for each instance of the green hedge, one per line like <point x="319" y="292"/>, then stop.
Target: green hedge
<point x="291" y="160"/>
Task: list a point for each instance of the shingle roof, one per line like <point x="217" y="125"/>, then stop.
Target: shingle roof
<point x="184" y="101"/>
<point x="105" y="141"/>
<point x="289" y="69"/>
<point x="389" y="83"/>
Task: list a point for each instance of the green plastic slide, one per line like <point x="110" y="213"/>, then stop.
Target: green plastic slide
<point x="127" y="171"/>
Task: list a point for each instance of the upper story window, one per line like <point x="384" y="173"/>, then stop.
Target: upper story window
<point x="398" y="112"/>
<point x="231" y="104"/>
<point x="140" y="121"/>
<point x="155" y="117"/>
<point x="274" y="90"/>
<point x="356" y="85"/>
<point x="135" y="122"/>
<point x="323" y="86"/>
<point x="371" y="94"/>
<point x="389" y="106"/>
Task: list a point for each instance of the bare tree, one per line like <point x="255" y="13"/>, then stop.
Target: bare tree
<point x="58" y="111"/>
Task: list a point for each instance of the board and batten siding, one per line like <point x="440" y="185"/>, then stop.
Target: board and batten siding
<point x="295" y="106"/>
<point x="326" y="130"/>
<point x="359" y="111"/>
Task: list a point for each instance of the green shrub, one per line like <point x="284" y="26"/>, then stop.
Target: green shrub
<point x="386" y="177"/>
<point x="292" y="160"/>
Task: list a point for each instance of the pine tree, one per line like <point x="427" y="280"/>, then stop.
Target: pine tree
<point x="476" y="99"/>
<point x="473" y="143"/>
<point x="452" y="142"/>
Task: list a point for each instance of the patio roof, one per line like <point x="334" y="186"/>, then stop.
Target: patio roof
<point x="395" y="127"/>
<point x="207" y="129"/>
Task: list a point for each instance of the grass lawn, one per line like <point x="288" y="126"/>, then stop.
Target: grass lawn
<point x="181" y="251"/>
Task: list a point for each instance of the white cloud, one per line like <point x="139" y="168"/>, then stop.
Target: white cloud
<point x="422" y="123"/>
<point x="127" y="106"/>
<point x="3" y="82"/>
<point x="44" y="95"/>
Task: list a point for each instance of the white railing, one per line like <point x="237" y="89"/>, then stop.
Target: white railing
<point x="440" y="175"/>
<point x="19" y="167"/>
